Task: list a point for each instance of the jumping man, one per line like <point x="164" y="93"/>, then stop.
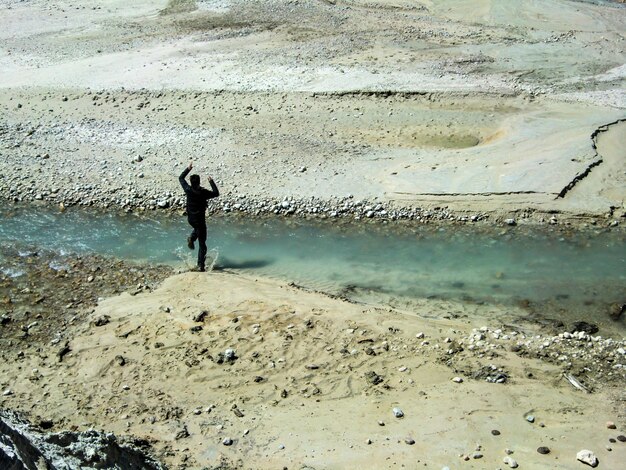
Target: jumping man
<point x="197" y="198"/>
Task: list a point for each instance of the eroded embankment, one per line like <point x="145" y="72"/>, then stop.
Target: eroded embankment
<point x="612" y="156"/>
<point x="23" y="446"/>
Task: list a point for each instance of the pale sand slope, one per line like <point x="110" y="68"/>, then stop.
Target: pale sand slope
<point x="323" y="416"/>
<point x="512" y="93"/>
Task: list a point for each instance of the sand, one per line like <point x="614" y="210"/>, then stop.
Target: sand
<point x="300" y="382"/>
<point x="503" y="109"/>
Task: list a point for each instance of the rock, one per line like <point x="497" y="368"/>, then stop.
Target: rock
<point x="510" y="222"/>
<point x="588" y="328"/>
<point x="397" y="412"/>
<point x="610" y="425"/>
<point x="616" y="311"/>
<point x="457" y="380"/>
<point x="409" y="440"/>
<point x="101" y="320"/>
<point x="237" y="411"/>
<point x="312" y="366"/>
<point x="373" y="378"/>
<point x="543" y="450"/>
<point x="120" y="360"/>
<point x="530" y="418"/>
<point x="510" y="461"/>
<point x="227" y="441"/>
<point x="182" y="434"/>
<point x="199" y="318"/>
<point x="230" y="355"/>
<point x="621" y="438"/>
<point x="495" y="432"/>
<point x="588" y="457"/>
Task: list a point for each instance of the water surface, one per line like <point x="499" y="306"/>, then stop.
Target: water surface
<point x="568" y="275"/>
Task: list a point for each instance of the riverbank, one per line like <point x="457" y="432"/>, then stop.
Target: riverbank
<point x="127" y="151"/>
<point x="154" y="362"/>
<point x="357" y="109"/>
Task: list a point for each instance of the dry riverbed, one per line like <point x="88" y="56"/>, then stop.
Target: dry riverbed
<point x="465" y="111"/>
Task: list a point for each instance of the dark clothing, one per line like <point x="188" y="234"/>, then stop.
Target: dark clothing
<point x="196" y="205"/>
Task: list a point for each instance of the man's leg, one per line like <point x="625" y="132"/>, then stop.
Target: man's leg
<point x="201" y="233"/>
<point x="194" y="235"/>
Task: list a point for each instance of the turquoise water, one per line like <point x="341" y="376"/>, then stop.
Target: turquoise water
<point x="576" y="275"/>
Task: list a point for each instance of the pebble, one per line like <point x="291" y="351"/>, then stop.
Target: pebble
<point x="588" y="457"/>
<point x="530" y="418"/>
<point x="495" y="432"/>
<point x="610" y="425"/>
<point x="543" y="450"/>
<point x="510" y="461"/>
<point x="621" y="438"/>
<point x="410" y="441"/>
<point x="457" y="380"/>
<point x="7" y="392"/>
<point x="398" y="413"/>
<point x="227" y="441"/>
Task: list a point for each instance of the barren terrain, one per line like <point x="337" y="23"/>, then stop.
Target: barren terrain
<point x="466" y="110"/>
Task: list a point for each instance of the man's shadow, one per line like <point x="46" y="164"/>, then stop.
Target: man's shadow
<point x="225" y="263"/>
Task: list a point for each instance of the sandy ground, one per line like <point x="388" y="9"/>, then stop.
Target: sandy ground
<point x="474" y="105"/>
<point x="300" y="382"/>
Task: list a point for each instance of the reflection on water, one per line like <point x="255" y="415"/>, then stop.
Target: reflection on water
<point x="570" y="273"/>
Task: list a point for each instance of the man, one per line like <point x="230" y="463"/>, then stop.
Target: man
<point x="197" y="198"/>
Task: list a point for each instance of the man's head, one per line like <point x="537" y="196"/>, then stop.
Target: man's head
<point x="195" y="181"/>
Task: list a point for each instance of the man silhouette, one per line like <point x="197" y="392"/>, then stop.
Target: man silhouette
<point x="197" y="198"/>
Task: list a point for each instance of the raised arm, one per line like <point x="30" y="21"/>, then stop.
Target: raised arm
<point x="182" y="177"/>
<point x="213" y="192"/>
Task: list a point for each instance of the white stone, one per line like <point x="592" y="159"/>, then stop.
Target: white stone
<point x="510" y="462"/>
<point x="588" y="457"/>
<point x="397" y="412"/>
<point x="457" y="380"/>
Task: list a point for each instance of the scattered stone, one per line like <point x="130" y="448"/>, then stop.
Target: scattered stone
<point x="588" y="457"/>
<point x="368" y="441"/>
<point x="510" y="222"/>
<point x="510" y="461"/>
<point x="237" y="411"/>
<point x="398" y="413"/>
<point x="543" y="450"/>
<point x="182" y="434"/>
<point x="457" y="380"/>
<point x="621" y="438"/>
<point x="120" y="360"/>
<point x="63" y="350"/>
<point x="495" y="432"/>
<point x="610" y="425"/>
<point x="101" y="320"/>
<point x="530" y="418"/>
<point x="230" y="355"/>
<point x="588" y="328"/>
<point x="477" y="455"/>
<point x="373" y="378"/>
<point x="227" y="441"/>
<point x="199" y="318"/>
<point x="409" y="440"/>
<point x="312" y="366"/>
<point x="7" y="392"/>
<point x="196" y="329"/>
